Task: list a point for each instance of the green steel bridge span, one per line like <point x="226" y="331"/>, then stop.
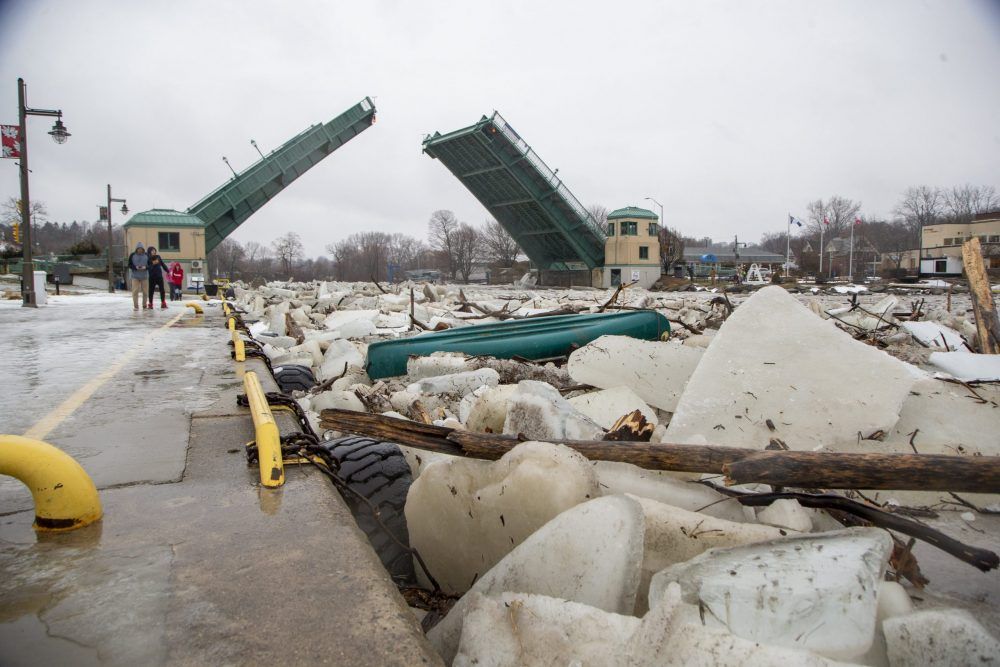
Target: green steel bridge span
<point x="520" y="191"/>
<point x="229" y="206"/>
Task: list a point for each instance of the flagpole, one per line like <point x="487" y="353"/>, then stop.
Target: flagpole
<point x="788" y="243"/>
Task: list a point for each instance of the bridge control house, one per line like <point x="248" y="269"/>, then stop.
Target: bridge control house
<point x="177" y="237"/>
<point x="632" y="249"/>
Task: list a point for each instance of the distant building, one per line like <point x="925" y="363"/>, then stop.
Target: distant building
<point x="837" y="257"/>
<point x="941" y="244"/>
<point x="632" y="249"/>
<point x="699" y="258"/>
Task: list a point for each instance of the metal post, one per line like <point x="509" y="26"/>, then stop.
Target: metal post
<point x="850" y="261"/>
<point x="788" y="244"/>
<point x="27" y="266"/>
<point x="821" y="249"/>
<point x="111" y="276"/>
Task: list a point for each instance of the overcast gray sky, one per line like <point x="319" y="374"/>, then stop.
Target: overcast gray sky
<point x="732" y="114"/>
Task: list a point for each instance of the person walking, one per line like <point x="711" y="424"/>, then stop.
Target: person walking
<point x="138" y="266"/>
<point x="176" y="278"/>
<point x="157" y="272"/>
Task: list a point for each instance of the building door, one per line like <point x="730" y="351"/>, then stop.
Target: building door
<point x="616" y="277"/>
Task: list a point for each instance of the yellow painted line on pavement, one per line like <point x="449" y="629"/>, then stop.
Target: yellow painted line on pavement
<point x="49" y="422"/>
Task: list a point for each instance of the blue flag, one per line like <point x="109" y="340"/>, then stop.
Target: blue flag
<point x="792" y="220"/>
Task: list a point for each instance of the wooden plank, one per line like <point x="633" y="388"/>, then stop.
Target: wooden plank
<point x="987" y="324"/>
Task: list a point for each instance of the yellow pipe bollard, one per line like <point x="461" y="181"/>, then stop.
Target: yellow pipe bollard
<point x="231" y="323"/>
<point x="272" y="471"/>
<point x="65" y="496"/>
<point x="194" y="304"/>
<point x="239" y="348"/>
<point x="225" y="307"/>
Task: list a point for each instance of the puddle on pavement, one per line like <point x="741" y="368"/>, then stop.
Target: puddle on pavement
<point x="153" y="372"/>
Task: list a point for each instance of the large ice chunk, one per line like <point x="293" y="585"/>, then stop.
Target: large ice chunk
<point x="937" y="336"/>
<point x="774" y="363"/>
<point x="336" y="320"/>
<point x="518" y="630"/>
<point x="817" y="592"/>
<point x="464" y="515"/>
<point x="589" y="554"/>
<point x="674" y="535"/>
<point x="489" y="411"/>
<point x="339" y="356"/>
<point x="605" y="407"/>
<point x="671" y="635"/>
<point x="967" y="366"/>
<point x="537" y="410"/>
<point x="456" y="383"/>
<point x="939" y="637"/>
<point x="438" y="363"/>
<point x="656" y="371"/>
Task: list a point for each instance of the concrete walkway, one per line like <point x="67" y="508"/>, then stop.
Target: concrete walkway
<point x="194" y="562"/>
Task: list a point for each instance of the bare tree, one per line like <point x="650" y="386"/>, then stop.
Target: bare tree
<point x="11" y="213"/>
<point x="404" y="251"/>
<point x="468" y="249"/>
<point x="963" y="202"/>
<point x="226" y="258"/>
<point x="835" y="216"/>
<point x="441" y="233"/>
<point x="499" y="247"/>
<point x="288" y="248"/>
<point x="671" y="247"/>
<point x="920" y="206"/>
<point x="891" y="239"/>
<point x="600" y="218"/>
<point x="256" y="262"/>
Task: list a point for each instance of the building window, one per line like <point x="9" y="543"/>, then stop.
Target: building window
<point x="643" y="252"/>
<point x="941" y="266"/>
<point x="169" y="241"/>
<point x="995" y="239"/>
<point x="652" y="229"/>
<point x="630" y="228"/>
<point x="949" y="241"/>
<point x="611" y="229"/>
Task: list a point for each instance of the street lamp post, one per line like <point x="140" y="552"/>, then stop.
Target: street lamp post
<point x="59" y="135"/>
<point x="111" y="281"/>
<point x="661" y="209"/>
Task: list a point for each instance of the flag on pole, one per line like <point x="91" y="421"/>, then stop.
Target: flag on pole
<point x="11" y="140"/>
<point x="826" y="221"/>
<point x="792" y="220"/>
<point x="857" y="221"/>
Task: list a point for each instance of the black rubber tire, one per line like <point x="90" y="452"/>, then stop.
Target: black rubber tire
<point x="378" y="471"/>
<point x="293" y="376"/>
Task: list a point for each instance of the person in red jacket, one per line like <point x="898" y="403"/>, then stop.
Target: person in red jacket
<point x="176" y="278"/>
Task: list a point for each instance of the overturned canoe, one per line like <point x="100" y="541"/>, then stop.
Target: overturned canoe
<point x="534" y="338"/>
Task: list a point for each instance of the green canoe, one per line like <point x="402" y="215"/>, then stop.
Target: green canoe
<point x="533" y="338"/>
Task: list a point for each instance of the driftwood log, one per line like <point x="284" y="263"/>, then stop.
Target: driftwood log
<point x="827" y="470"/>
<point x="987" y="323"/>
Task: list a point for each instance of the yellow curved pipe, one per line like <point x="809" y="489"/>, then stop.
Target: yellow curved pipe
<point x="195" y="305"/>
<point x="65" y="496"/>
<point x="272" y="470"/>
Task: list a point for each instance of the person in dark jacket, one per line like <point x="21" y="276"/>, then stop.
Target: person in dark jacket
<point x="138" y="266"/>
<point x="157" y="272"/>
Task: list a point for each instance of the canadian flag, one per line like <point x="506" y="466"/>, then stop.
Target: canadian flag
<point x="11" y="135"/>
<point x="857" y="221"/>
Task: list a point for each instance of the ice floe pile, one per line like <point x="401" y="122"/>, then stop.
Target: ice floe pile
<point x="561" y="560"/>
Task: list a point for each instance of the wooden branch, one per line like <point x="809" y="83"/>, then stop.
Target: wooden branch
<point x="828" y="470"/>
<point x="987" y="324"/>
<point x="835" y="470"/>
<point x="983" y="559"/>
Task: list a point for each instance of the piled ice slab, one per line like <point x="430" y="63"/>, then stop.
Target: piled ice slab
<point x="538" y="411"/>
<point x="774" y="363"/>
<point x="817" y="592"/>
<point x="939" y="637"/>
<point x="605" y="407"/>
<point x="464" y="515"/>
<point x="656" y="371"/>
<point x="590" y="554"/>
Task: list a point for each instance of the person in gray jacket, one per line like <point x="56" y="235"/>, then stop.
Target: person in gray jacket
<point x="138" y="265"/>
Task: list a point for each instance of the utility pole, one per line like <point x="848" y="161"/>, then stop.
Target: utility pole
<point x="111" y="281"/>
